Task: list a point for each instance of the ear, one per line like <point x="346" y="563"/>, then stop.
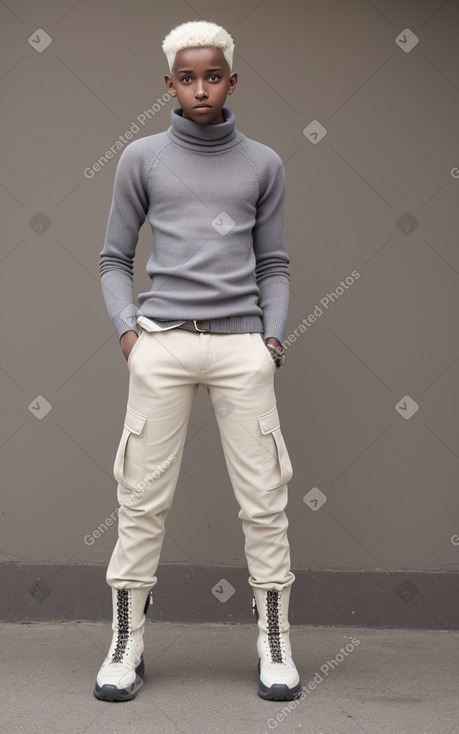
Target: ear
<point x="170" y="85"/>
<point x="232" y="83"/>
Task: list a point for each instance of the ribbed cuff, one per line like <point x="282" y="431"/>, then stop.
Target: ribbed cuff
<point x="121" y="325"/>
<point x="275" y="327"/>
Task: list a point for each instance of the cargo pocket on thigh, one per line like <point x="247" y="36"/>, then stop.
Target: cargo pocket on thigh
<point x="277" y="467"/>
<point x="129" y="466"/>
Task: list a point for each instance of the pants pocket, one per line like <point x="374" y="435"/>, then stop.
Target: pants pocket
<point x="129" y="466"/>
<point x="277" y="467"/>
<point x="267" y="353"/>
<point x="135" y="347"/>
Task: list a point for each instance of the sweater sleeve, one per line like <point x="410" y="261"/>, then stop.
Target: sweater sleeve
<point x="272" y="261"/>
<point x="127" y="214"/>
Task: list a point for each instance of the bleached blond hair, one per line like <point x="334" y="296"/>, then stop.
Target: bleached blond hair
<point x="195" y="34"/>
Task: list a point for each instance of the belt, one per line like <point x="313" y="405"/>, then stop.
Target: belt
<point x="197" y="326"/>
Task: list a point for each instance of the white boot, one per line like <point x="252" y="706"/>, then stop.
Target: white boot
<point x="279" y="679"/>
<point x="121" y="674"/>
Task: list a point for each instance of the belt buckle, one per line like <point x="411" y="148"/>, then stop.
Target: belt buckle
<point x="201" y="321"/>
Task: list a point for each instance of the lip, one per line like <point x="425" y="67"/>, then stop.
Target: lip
<point x="202" y="107"/>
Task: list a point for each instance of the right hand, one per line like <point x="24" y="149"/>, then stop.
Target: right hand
<point x="127" y="341"/>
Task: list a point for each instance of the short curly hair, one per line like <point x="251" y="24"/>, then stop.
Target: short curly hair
<point x="195" y="34"/>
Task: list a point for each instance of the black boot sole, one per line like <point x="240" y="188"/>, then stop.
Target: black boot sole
<point x="278" y="692"/>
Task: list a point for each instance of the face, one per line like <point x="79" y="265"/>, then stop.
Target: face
<point x="201" y="80"/>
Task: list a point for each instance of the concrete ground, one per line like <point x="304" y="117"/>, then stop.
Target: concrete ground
<point x="202" y="678"/>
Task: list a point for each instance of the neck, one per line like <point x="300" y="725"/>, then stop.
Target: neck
<point x="204" y="137"/>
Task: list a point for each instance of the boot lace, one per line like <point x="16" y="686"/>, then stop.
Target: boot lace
<point x="272" y="619"/>
<point x="122" y="609"/>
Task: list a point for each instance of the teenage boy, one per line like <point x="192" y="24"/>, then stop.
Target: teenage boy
<point x="215" y="315"/>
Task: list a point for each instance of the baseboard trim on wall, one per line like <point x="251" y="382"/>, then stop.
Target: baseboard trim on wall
<point x="191" y="594"/>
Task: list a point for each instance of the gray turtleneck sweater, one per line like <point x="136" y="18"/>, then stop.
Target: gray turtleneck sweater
<point x="214" y="200"/>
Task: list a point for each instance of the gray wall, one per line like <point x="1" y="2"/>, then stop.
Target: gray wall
<point x="378" y="195"/>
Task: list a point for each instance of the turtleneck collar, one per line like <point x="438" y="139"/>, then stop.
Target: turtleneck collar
<point x="202" y="137"/>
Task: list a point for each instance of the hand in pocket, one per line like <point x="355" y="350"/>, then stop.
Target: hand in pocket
<point x="127" y="342"/>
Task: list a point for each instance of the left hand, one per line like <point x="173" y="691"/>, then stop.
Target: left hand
<point x="273" y="342"/>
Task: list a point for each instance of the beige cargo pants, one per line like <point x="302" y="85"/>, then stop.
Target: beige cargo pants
<point x="166" y="369"/>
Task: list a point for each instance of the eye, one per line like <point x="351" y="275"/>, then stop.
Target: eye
<point x="185" y="79"/>
<point x="214" y="77"/>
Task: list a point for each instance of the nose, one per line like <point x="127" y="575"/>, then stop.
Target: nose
<point x="201" y="92"/>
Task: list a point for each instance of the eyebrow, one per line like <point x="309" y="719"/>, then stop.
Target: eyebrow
<point x="191" y="71"/>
